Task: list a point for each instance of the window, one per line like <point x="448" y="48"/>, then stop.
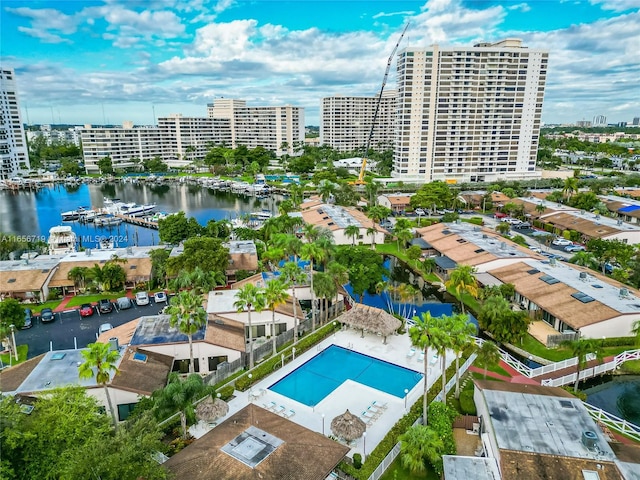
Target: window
<point x="215" y="361"/>
<point x="124" y="410"/>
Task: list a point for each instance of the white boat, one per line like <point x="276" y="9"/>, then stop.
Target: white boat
<point x="62" y="240"/>
<point x="73" y="214"/>
<point x="134" y="210"/>
<point x="107" y="220"/>
<point x="262" y="215"/>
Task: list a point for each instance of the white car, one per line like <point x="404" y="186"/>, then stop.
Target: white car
<point x="420" y="212"/>
<point x="562" y="242"/>
<point x="142" y="298"/>
<point x="160" y="297"/>
<point x="105" y="327"/>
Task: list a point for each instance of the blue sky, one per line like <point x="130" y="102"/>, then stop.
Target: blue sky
<point x="113" y="60"/>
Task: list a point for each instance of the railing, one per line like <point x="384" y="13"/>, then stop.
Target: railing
<point x="554" y="367"/>
<point x="395" y="451"/>
<point x="614" y="423"/>
<point x="509" y="360"/>
<point x="592" y="371"/>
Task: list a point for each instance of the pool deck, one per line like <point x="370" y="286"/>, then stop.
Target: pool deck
<point x="350" y="395"/>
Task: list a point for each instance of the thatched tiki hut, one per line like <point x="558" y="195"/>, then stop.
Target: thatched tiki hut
<point x="370" y="319"/>
<point x="209" y="409"/>
<point x="348" y="426"/>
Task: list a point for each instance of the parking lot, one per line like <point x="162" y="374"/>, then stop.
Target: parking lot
<point x="70" y="330"/>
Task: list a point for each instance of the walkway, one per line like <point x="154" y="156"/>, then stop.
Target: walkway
<point x="62" y="306"/>
<point x="516" y="377"/>
<point x="570" y="370"/>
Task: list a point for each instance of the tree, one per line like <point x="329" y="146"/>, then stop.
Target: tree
<point x="414" y="252"/>
<point x="503" y="228"/>
<point x="275" y="294"/>
<point x="584" y="259"/>
<point x="99" y="362"/>
<point x="206" y="252"/>
<point x="461" y="337"/>
<point x="420" y="444"/>
<point x="324" y="288"/>
<point x="188" y="315"/>
<point x="326" y="188"/>
<point x="580" y="349"/>
<point x="293" y="275"/>
<point x="371" y="188"/>
<point x="159" y="257"/>
<point x="432" y="195"/>
<point x="312" y="253"/>
<point x="249" y="296"/>
<point x="175" y="228"/>
<point x="205" y="281"/>
<point x="179" y="396"/>
<point x="340" y="275"/>
<point x="352" y="231"/>
<point x="570" y="187"/>
<point x="488" y="355"/>
<point x="540" y="208"/>
<point x="635" y="329"/>
<point x="113" y="276"/>
<point x="371" y="231"/>
<point x="505" y="325"/>
<point x="463" y="281"/>
<point x="11" y="313"/>
<point x="378" y="212"/>
<point x="426" y="333"/>
<point x="403" y="235"/>
<point x="105" y="165"/>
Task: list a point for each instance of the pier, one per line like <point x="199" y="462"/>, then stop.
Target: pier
<point x="141" y="222"/>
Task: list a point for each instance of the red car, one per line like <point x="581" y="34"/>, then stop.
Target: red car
<point x="86" y="310"/>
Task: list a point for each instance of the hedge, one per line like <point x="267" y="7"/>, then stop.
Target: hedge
<point x="267" y="367"/>
<point x="619" y="342"/>
<point x="467" y="405"/>
<point x="378" y="454"/>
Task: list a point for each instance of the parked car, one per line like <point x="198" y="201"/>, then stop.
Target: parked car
<point x="105" y="327"/>
<point x="160" y="297"/>
<point x="562" y="242"/>
<point x="142" y="298"/>
<point x="574" y="248"/>
<point x="536" y="249"/>
<point x="105" y="305"/>
<point x="28" y="318"/>
<point x="124" y="303"/>
<point x="419" y="211"/>
<point x="47" y="315"/>
<point x="522" y="225"/>
<point x="86" y="310"/>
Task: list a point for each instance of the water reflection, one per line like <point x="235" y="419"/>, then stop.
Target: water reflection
<point x="619" y="396"/>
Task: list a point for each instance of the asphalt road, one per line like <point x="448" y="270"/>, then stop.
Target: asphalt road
<point x="70" y="330"/>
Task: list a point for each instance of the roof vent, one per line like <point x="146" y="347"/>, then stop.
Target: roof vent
<point x="583" y="276"/>
<point x="552" y="262"/>
<point x="619" y="221"/>
<point x="624" y="292"/>
<point x="484" y="235"/>
<point x="503" y="246"/>
<point x="589" y="439"/>
<point x="129" y="251"/>
<point x="113" y="344"/>
<point x="88" y="252"/>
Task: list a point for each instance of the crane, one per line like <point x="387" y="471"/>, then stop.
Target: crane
<point x="360" y="180"/>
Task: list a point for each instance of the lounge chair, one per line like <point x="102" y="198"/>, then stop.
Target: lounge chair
<point x="376" y="412"/>
<point x="434" y="360"/>
<point x="411" y="352"/>
<point x="369" y="414"/>
<point x="270" y="406"/>
<point x="367" y="420"/>
<point x="280" y="409"/>
<point x="382" y="405"/>
<point x="421" y="357"/>
<point x="290" y="413"/>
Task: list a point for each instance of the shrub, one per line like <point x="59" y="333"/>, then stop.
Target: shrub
<point x="226" y="392"/>
<point x="475" y="220"/>
<point x="467" y="405"/>
<point x="357" y="461"/>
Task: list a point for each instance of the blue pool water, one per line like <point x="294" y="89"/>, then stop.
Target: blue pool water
<point x="317" y="378"/>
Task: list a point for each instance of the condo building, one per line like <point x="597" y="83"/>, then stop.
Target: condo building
<point x="345" y="122"/>
<point x="469" y="114"/>
<point x="14" y="155"/>
<point x="190" y="138"/>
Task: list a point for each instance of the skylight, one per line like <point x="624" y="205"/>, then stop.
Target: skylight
<point x="583" y="297"/>
<point x="549" y="279"/>
<point x="533" y="271"/>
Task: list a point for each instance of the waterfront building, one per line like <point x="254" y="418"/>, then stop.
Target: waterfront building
<point x="127" y="146"/>
<point x="14" y="155"/>
<point x="345" y="122"/>
<point x="469" y="114"/>
<point x="190" y="138"/>
<point x="279" y="129"/>
<point x="56" y="135"/>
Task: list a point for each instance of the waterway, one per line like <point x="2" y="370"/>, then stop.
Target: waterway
<point x="33" y="213"/>
<point x="620" y="396"/>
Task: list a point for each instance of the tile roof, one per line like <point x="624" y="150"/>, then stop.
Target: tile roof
<point x="141" y="270"/>
<point x="304" y="455"/>
<point x="143" y="377"/>
<point x="11" y="378"/>
<point x="18" y="281"/>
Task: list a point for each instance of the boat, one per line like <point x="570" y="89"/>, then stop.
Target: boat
<point x="106" y="243"/>
<point x="62" y="240"/>
<point x="107" y="220"/>
<point x="72" y="215"/>
<point x="262" y="215"/>
<point x="134" y="210"/>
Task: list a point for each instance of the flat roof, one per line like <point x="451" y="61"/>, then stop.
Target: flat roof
<point x="466" y="468"/>
<point x="543" y="424"/>
<point x="241" y="246"/>
<point x="57" y="369"/>
<point x="97" y="254"/>
<point x="221" y="301"/>
<point x="156" y="329"/>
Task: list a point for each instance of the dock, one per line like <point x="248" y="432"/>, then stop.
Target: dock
<point x="141" y="222"/>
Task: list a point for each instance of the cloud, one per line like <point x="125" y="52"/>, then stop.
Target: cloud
<point x="617" y="5"/>
<point x="523" y="7"/>
<point x="46" y="37"/>
<point x="46" y="24"/>
<point x="393" y="14"/>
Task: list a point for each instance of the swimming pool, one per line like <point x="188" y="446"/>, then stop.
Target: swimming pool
<point x="317" y="378"/>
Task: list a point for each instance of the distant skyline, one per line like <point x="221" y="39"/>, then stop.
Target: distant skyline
<point x="108" y="61"/>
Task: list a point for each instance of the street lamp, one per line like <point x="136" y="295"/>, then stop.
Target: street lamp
<point x="250" y="385"/>
<point x="364" y="446"/>
<point x="406" y="393"/>
<point x="293" y="352"/>
<point x="323" y="424"/>
<point x="13" y="337"/>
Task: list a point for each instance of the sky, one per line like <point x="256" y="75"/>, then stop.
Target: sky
<point x="108" y="61"/>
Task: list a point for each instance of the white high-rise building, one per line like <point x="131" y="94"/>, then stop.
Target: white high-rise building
<point x="190" y="138"/>
<point x="469" y="114"/>
<point x="267" y="127"/>
<point x="14" y="155"/>
<point x="345" y="122"/>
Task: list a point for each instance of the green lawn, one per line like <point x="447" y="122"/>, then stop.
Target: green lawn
<point x="392" y="249"/>
<point x="93" y="298"/>
<point x="8" y="359"/>
<point x="397" y="472"/>
<point x="52" y="304"/>
<point x="496" y="369"/>
<point x="480" y="376"/>
<point x="631" y="366"/>
<point x="534" y="347"/>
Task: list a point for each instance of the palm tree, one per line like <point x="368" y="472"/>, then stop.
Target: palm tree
<point x="420" y="444"/>
<point x="248" y="297"/>
<point x="79" y="276"/>
<point x="424" y="334"/>
<point x="275" y="295"/>
<point x="99" y="362"/>
<point x="462" y="333"/>
<point x="488" y="355"/>
<point x="635" y="329"/>
<point x="428" y="265"/>
<point x="324" y="288"/>
<point x="326" y="188"/>
<point x="97" y="276"/>
<point x="463" y="281"/>
<point x="372" y="191"/>
<point x="180" y="396"/>
<point x="202" y="281"/>
<point x="290" y="244"/>
<point x="540" y="208"/>
<point x="444" y="343"/>
<point x="580" y="349"/>
<point x="371" y="231"/>
<point x="340" y="275"/>
<point x="570" y="187"/>
<point x="293" y="275"/>
<point x="584" y="259"/>
<point x="503" y="228"/>
<point x="311" y="252"/>
<point x="182" y="281"/>
<point x="352" y="231"/>
<point x="187" y="313"/>
<point x="403" y="235"/>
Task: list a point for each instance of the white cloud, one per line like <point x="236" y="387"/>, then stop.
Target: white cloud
<point x="617" y="5"/>
<point x="523" y="7"/>
<point x="393" y="14"/>
<point x="46" y="37"/>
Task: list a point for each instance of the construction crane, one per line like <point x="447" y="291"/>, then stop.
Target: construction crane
<point x="360" y="180"/>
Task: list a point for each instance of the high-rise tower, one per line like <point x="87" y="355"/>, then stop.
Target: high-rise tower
<point x="14" y="156"/>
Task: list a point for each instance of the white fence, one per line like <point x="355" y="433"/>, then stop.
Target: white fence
<point x="592" y="371"/>
<point x="395" y="451"/>
<point x="614" y="423"/>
